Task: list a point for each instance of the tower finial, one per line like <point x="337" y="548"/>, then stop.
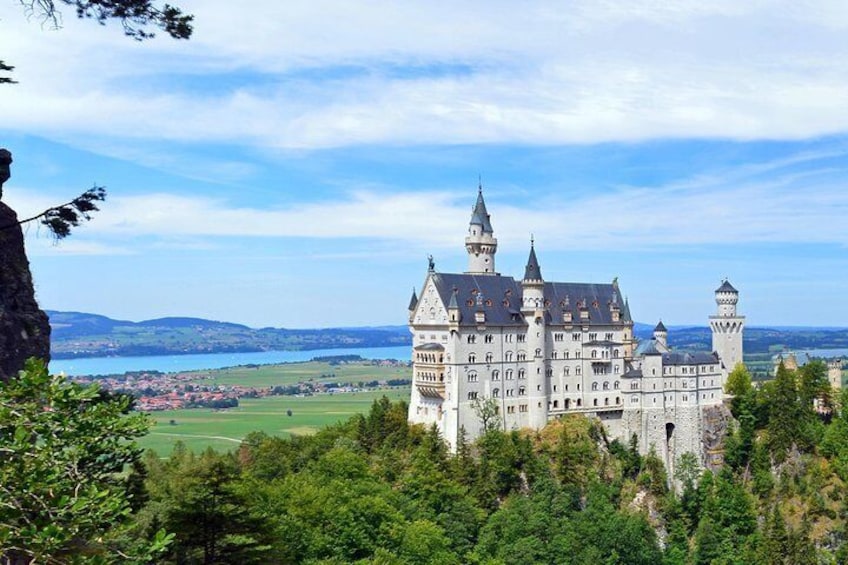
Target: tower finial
<point x="479" y="183"/>
<point x="532" y="240"/>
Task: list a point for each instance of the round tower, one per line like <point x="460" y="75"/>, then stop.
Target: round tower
<point x="481" y="244"/>
<point x="727" y="327"/>
<point x="533" y="309"/>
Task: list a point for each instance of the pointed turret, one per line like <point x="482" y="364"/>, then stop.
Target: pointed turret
<point x="661" y="336"/>
<point x="413" y="302"/>
<point x="481" y="244"/>
<point x="453" y="308"/>
<point x="532" y="272"/>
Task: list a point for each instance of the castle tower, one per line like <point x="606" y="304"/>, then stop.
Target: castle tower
<point x="661" y="337"/>
<point x="481" y="243"/>
<point x="533" y="309"/>
<point x="727" y="327"/>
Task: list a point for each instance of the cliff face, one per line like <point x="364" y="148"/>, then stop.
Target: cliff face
<point x="24" y="328"/>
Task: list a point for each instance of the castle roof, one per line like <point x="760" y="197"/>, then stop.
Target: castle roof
<point x="532" y="272"/>
<point x="660" y="327"/>
<point x="697" y="358"/>
<point x="648" y="347"/>
<point x="502" y="298"/>
<point x="413" y="302"/>
<point x="726" y="287"/>
<point x="479" y="216"/>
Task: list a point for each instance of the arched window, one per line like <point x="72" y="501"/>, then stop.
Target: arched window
<point x="595" y="402"/>
<point x="509" y="374"/>
<point x="606" y="386"/>
<point x="594" y="386"/>
<point x="522" y="391"/>
<point x="521" y="374"/>
<point x="615" y="353"/>
<point x="615" y="385"/>
<point x="496" y="393"/>
<point x="496" y="376"/>
<point x="594" y="354"/>
<point x="508" y="356"/>
<point x="472" y="395"/>
<point x="472" y="357"/>
<point x="538" y="352"/>
<point x="488" y="356"/>
<point x="565" y="371"/>
<point x="606" y="401"/>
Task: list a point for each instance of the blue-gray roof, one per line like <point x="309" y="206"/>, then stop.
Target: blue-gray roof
<point x="532" y="272"/>
<point x="413" y="302"/>
<point x="501" y="299"/>
<point x="648" y="347"/>
<point x="660" y="327"/>
<point x="726" y="287"/>
<point x="479" y="216"/>
<point x="697" y="358"/>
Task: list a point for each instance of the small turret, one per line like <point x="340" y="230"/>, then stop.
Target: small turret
<point x="533" y="286"/>
<point x="413" y="303"/>
<point x="481" y="244"/>
<point x="726" y="298"/>
<point x="454" y="315"/>
<point x="661" y="336"/>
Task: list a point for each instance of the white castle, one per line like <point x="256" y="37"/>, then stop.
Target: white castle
<point x="543" y="349"/>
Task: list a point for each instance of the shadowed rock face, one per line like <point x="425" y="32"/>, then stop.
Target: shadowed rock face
<point x="24" y="328"/>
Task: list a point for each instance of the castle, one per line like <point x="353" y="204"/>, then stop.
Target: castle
<point x="537" y="350"/>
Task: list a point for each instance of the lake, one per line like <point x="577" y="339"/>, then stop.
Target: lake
<point x="174" y="363"/>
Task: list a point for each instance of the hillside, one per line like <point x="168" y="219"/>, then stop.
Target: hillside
<point x="77" y="334"/>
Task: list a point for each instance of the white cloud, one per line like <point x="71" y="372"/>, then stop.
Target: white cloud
<point x="570" y="72"/>
<point x="794" y="199"/>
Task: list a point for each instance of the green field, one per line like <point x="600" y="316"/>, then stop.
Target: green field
<point x="291" y="373"/>
<point x="222" y="430"/>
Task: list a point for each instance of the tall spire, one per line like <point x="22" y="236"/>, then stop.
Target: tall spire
<point x="481" y="244"/>
<point x="532" y="272"/>
<point x="413" y="302"/>
<point x="479" y="215"/>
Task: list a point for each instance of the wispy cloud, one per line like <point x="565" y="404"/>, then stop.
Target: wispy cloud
<point x="576" y="72"/>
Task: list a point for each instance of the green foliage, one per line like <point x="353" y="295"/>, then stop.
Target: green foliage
<point x="63" y="448"/>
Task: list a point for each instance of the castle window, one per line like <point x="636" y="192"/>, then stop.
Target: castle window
<point x="472" y="338"/>
<point x="558" y="337"/>
<point x="634" y="385"/>
<point x="472" y="395"/>
<point x="472" y="357"/>
<point x="538" y="352"/>
<point x="575" y="337"/>
<point x="577" y="371"/>
<point x="510" y="391"/>
<point x="521" y="374"/>
<point x="594" y="354"/>
<point x="615" y="385"/>
<point x="522" y="391"/>
<point x="615" y="369"/>
<point x="509" y="374"/>
<point x="510" y="409"/>
<point x="489" y="338"/>
<point x="496" y="376"/>
<point x="593" y="337"/>
<point x="556" y="403"/>
<point x="618" y="400"/>
<point x="684" y="383"/>
<point x="595" y="402"/>
<point x="555" y="388"/>
<point x="606" y="401"/>
<point x="554" y="354"/>
<point x="565" y="354"/>
<point x="488" y="357"/>
<point x="634" y="399"/>
<point x="522" y="356"/>
<point x="496" y="392"/>
<point x="565" y="371"/>
<point x="608" y="337"/>
<point x="522" y="338"/>
<point x="508" y="338"/>
<point x="522" y="408"/>
<point x="594" y="386"/>
<point x="579" y="402"/>
<point x="615" y="353"/>
<point x="508" y="356"/>
<point x="549" y="373"/>
<point x="472" y="377"/>
<point x="606" y="386"/>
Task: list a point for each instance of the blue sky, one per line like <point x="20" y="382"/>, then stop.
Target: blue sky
<point x="294" y="164"/>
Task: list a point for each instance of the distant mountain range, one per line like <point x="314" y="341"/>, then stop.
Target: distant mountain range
<point x="77" y="334"/>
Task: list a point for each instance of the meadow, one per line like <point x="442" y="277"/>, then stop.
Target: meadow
<point x="199" y="428"/>
<point x="292" y="373"/>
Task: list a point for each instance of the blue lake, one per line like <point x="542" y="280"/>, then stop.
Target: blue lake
<point x="174" y="363"/>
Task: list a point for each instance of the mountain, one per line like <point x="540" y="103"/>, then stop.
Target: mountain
<point x="78" y="334"/>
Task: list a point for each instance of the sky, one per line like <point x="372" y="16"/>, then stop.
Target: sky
<point x="294" y="163"/>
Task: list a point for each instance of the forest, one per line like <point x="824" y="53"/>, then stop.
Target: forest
<point x="376" y="490"/>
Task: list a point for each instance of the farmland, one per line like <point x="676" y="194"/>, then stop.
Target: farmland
<point x="199" y="428"/>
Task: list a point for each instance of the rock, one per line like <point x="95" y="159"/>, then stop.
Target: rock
<point x="24" y="327"/>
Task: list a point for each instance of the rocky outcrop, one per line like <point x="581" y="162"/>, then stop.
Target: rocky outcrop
<point x="716" y="421"/>
<point x="24" y="328"/>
